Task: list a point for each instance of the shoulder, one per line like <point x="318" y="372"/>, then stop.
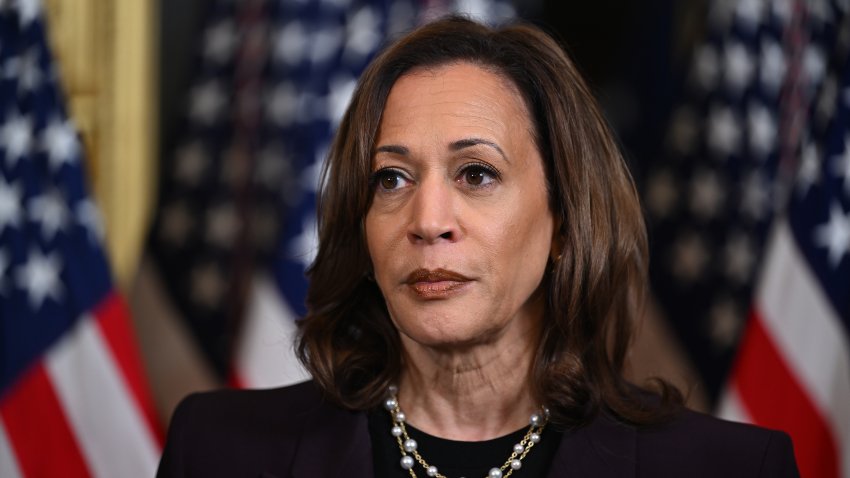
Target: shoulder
<point x="695" y="441"/>
<point x="222" y="432"/>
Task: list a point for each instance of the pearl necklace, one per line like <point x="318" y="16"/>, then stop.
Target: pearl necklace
<point x="410" y="456"/>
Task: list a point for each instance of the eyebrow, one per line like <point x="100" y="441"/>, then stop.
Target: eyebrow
<point x="470" y="142"/>
<point x="454" y="146"/>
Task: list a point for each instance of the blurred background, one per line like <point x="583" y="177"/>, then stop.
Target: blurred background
<point x="197" y="129"/>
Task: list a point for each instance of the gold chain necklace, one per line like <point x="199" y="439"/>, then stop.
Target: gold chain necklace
<point x="410" y="454"/>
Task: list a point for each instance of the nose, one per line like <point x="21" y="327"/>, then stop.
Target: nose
<point x="433" y="217"/>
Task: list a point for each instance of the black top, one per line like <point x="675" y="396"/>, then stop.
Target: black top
<point x="456" y="459"/>
<point x="294" y="432"/>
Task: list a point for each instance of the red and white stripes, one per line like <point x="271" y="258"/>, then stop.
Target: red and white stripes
<point x="793" y="369"/>
<point x="83" y="409"/>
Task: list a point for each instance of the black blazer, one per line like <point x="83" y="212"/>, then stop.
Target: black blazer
<point x="291" y="432"/>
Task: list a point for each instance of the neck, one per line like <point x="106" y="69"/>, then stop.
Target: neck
<point x="472" y="393"/>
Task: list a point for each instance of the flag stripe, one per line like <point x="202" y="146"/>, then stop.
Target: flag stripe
<point x="38" y="431"/>
<point x="800" y="320"/>
<point x="113" y="434"/>
<point x="265" y="353"/>
<point x="759" y="374"/>
<point x="115" y="326"/>
<point x="8" y="462"/>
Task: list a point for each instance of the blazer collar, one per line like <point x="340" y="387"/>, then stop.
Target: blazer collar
<point x="604" y="448"/>
<point x="334" y="443"/>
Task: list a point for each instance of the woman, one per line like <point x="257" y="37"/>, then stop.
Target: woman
<point x="482" y="258"/>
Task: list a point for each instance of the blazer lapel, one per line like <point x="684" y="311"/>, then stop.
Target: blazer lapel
<point x="334" y="443"/>
<point x="604" y="448"/>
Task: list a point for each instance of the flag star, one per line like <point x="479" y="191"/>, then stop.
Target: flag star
<point x="720" y="13"/>
<point x="707" y="67"/>
<point x="220" y="41"/>
<point x="39" y="277"/>
<point x="311" y="175"/>
<point x="10" y="204"/>
<point x="724" y="132"/>
<point x="755" y="200"/>
<point x="282" y="106"/>
<point x="61" y="143"/>
<point x="478" y="9"/>
<point x="761" y="129"/>
<point x="782" y="10"/>
<point x="739" y="258"/>
<point x="401" y="17"/>
<point x="814" y="65"/>
<point x="706" y="194"/>
<point x="265" y="225"/>
<point x="176" y="224"/>
<point x="191" y="162"/>
<point x="88" y="216"/>
<point x="826" y="102"/>
<point x="809" y="172"/>
<point x="840" y="165"/>
<point x="834" y="235"/>
<point x="304" y="246"/>
<point x="341" y="90"/>
<point x="689" y="258"/>
<point x="291" y="43"/>
<point x="222" y="225"/>
<point x="325" y="43"/>
<point x="725" y="324"/>
<point x="49" y="210"/>
<point x="16" y="137"/>
<point x="738" y="67"/>
<point x="818" y="10"/>
<point x="207" y="285"/>
<point x="28" y="10"/>
<point x="26" y="69"/>
<point x="662" y="195"/>
<point x="683" y="131"/>
<point x="772" y="66"/>
<point x="363" y="33"/>
<point x="207" y="102"/>
<point x="272" y="167"/>
<point x="750" y="13"/>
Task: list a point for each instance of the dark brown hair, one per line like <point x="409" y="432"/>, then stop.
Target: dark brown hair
<point x="595" y="288"/>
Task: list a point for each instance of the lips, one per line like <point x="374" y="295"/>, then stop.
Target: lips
<point x="437" y="283"/>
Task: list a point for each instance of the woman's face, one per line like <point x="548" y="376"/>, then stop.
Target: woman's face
<point x="459" y="230"/>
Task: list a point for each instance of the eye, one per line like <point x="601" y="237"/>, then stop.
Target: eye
<point x="478" y="175"/>
<point x="389" y="179"/>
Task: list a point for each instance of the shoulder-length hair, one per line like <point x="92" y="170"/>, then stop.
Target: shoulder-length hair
<point x="595" y="288"/>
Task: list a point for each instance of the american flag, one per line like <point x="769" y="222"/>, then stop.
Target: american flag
<point x="73" y="398"/>
<point x="793" y="368"/>
<point x="274" y="79"/>
<point x="730" y="153"/>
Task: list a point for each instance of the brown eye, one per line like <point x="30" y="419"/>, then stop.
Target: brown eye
<point x="475" y="177"/>
<point x="478" y="176"/>
<point x="389" y="180"/>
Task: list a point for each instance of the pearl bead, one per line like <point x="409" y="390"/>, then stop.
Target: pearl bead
<point x="393" y="390"/>
<point x="536" y="421"/>
<point x="410" y="445"/>
<point x="390" y="404"/>
<point x="407" y="462"/>
<point x="518" y="448"/>
<point x="431" y="471"/>
<point x="495" y="473"/>
<point x="400" y="416"/>
<point x="534" y="437"/>
<point x="396" y="431"/>
<point x="516" y="464"/>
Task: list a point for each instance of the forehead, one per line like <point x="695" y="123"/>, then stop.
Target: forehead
<point x="464" y="95"/>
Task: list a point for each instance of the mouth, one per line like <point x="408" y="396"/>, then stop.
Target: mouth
<point x="437" y="283"/>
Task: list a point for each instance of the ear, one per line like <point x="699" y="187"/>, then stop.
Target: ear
<point x="558" y="239"/>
